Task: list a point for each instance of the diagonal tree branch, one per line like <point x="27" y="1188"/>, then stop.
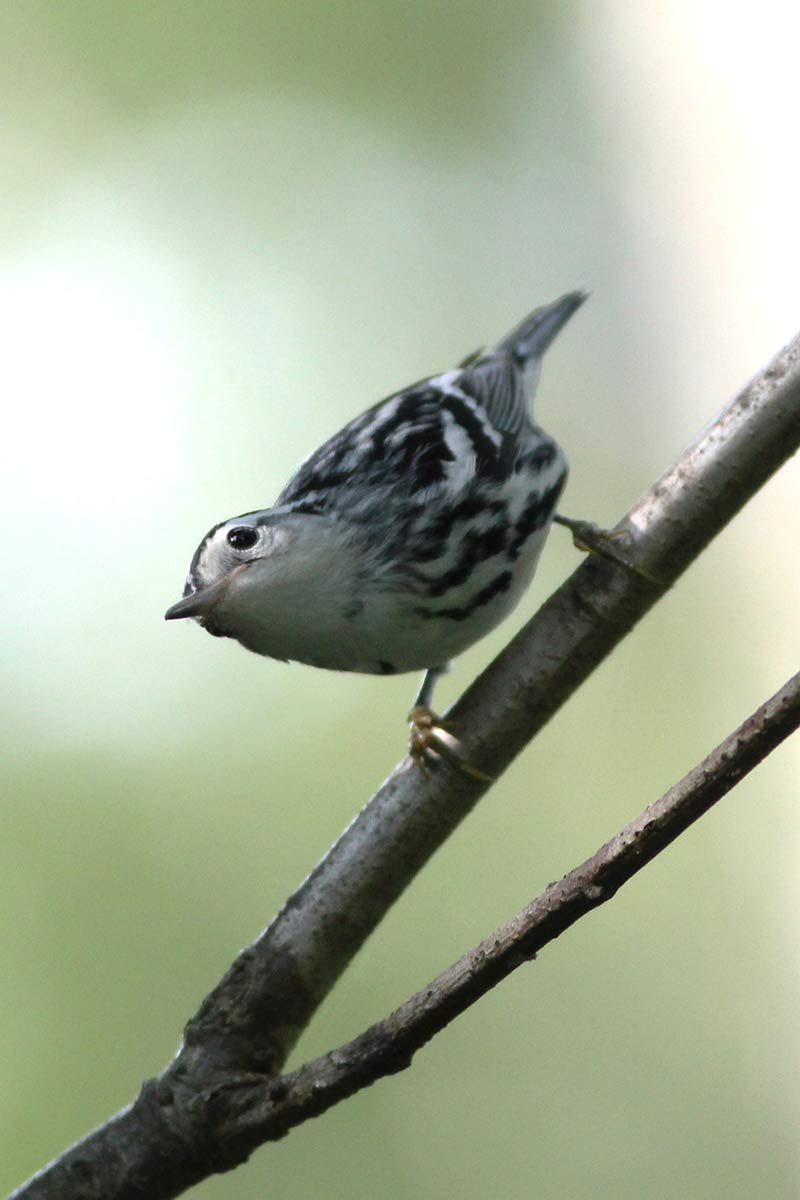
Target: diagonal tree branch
<point x="170" y="1137"/>
<point x="257" y="1113"/>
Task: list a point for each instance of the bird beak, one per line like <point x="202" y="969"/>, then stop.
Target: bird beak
<point x="199" y="604"/>
<point x="190" y="606"/>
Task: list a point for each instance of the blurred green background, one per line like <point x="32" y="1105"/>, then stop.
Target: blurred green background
<point x="226" y="229"/>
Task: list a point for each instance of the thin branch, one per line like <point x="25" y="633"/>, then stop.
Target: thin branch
<point x="167" y="1140"/>
<point x="257" y="1113"/>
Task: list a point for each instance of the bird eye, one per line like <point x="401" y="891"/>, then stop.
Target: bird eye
<point x="243" y="537"/>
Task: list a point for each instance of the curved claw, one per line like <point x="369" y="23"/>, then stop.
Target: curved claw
<point x="608" y="543"/>
<point x="431" y="741"/>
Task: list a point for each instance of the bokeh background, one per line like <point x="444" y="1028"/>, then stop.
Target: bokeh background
<point x="227" y="228"/>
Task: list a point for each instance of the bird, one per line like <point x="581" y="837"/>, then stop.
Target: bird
<point x="405" y="538"/>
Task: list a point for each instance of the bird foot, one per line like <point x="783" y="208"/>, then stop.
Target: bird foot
<point x="608" y="543"/>
<point x="432" y="741"/>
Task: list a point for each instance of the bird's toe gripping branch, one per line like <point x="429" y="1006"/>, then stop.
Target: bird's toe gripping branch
<point x="589" y="538"/>
<point x="432" y="742"/>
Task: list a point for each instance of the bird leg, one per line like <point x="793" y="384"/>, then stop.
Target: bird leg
<point x="591" y="539"/>
<point x="430" y="739"/>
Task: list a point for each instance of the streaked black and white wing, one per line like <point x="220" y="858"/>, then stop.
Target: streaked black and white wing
<point x="445" y="435"/>
<point x="434" y="434"/>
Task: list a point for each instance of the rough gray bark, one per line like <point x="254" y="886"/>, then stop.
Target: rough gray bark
<point x="259" y="1112"/>
<point x="177" y="1132"/>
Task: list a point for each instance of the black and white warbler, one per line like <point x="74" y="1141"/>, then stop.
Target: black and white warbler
<point x="406" y="537"/>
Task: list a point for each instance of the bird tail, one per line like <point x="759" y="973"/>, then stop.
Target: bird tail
<point x="528" y="341"/>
